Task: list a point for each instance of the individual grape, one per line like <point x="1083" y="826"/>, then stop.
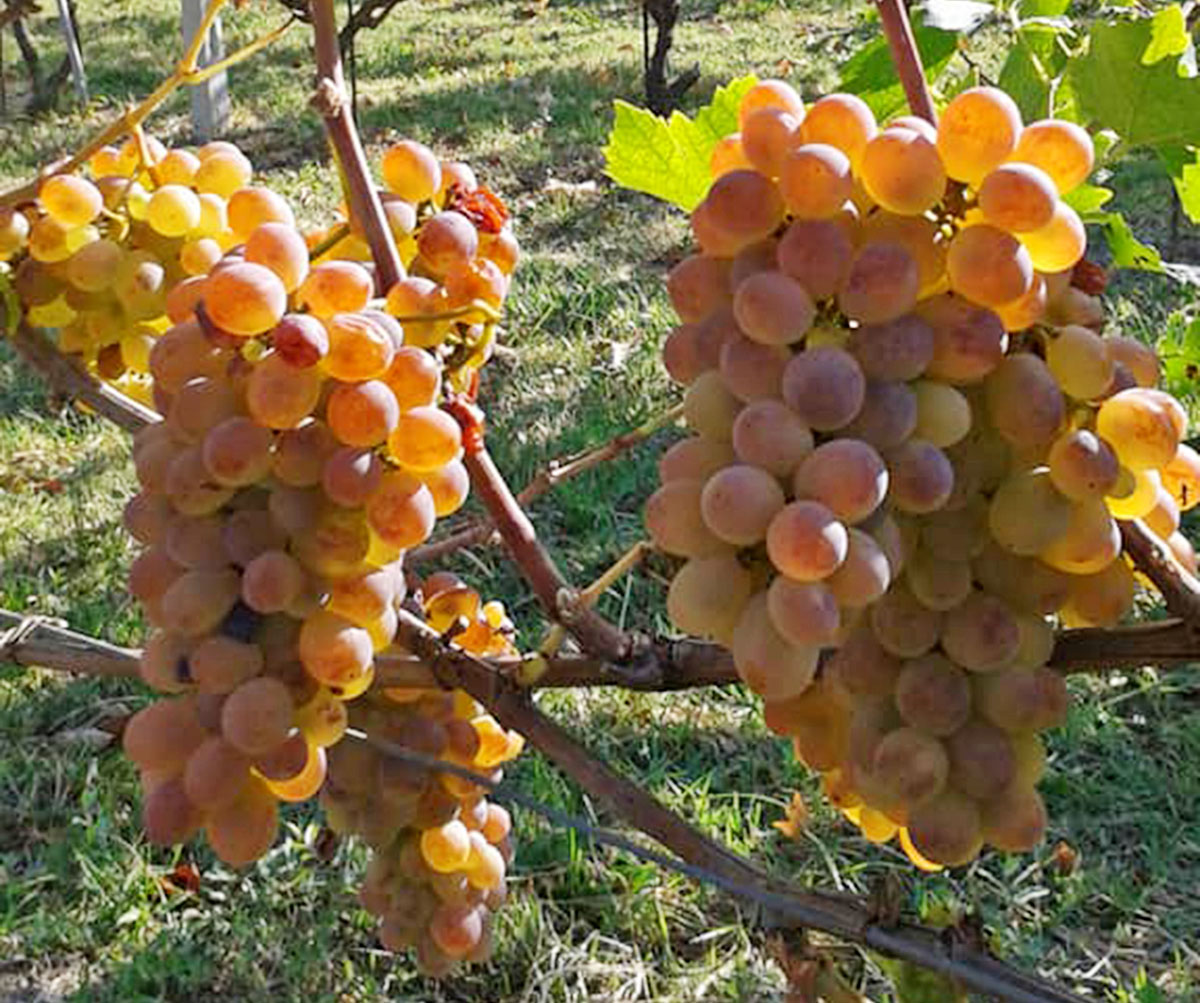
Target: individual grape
<point x="847" y="476"/>
<point x="333" y="650"/>
<point x="449" y="485"/>
<point x="933" y="695"/>
<point x="741" y="207"/>
<point x="804" y="613"/>
<point x="195" y="542"/>
<point x="863" y="576"/>
<point x="323" y="719"/>
<point x="1183" y="552"/>
<point x="257" y="715"/>
<point x="753" y="371"/>
<point x="709" y="409"/>
<point x="1078" y="359"/>
<point x="162" y="735"/>
<point x="968" y="340"/>
<point x="1027" y="310"/>
<point x="1037" y="641"/>
<point x="1060" y="243"/>
<point x="337" y="543"/>
<point x="1143" y="426"/>
<point x="903" y="626"/>
<point x="1024" y="583"/>
<point x="888" y="415"/>
<point x="1181" y="477"/>
<point x="167" y="815"/>
<point x="943" y="413"/>
<point x="51" y="242"/>
<point x="414" y="377"/>
<point x="901" y="170"/>
<point x="93" y="267"/>
<point x="173" y="211"/>
<point x="897" y="350"/>
<point x="815" y="180"/>
<point x="303" y="784"/>
<point x="425" y="438"/>
<point x="401" y="510"/>
<point x="675" y="522"/>
<point x="301" y="452"/>
<point x="989" y="266"/>
<point x="411" y="170"/>
<point x="1163" y="518"/>
<point x="841" y="120"/>
<point x="1102" y="599"/>
<point x="359" y="347"/>
<point x="805" y="541"/>
<point x="697" y="286"/>
<point x="881" y="285"/>
<point x="977" y="132"/>
<point x="300" y="339"/>
<point x="707" y="595"/>
<point x="237" y="452"/>
<point x="947" y="829"/>
<point x="770" y="94"/>
<point x="1021" y="700"/>
<point x="280" y="396"/>
<point x="1024" y="402"/>
<point x="920" y="477"/>
<point x="254" y="206"/>
<point x="272" y="581"/>
<point x="152" y="573"/>
<point x="215" y="774"/>
<point x="773" y="309"/>
<point x="1062" y="149"/>
<point x="912" y="766"/>
<point x="486" y="867"/>
<point x="1027" y="514"/>
<point x="1082" y="465"/>
<point x="980" y="633"/>
<point x="825" y="387"/>
<point x="279" y="247"/>
<point x="863" y="667"/>
<point x="244" y="299"/>
<point x="244" y="830"/>
<point x="446" y="240"/>
<point x="1139" y="358"/>
<point x="937" y="583"/>
<point x="681" y="354"/>
<point x="1089" y="543"/>
<point x="362" y="414"/>
<point x="695" y="458"/>
<point x="768" y="664"/>
<point x="219" y="664"/>
<point x="197" y="601"/>
<point x="766" y="137"/>
<point x="739" y="502"/>
<point x="335" y="287"/>
<point x="222" y="172"/>
<point x="200" y="256"/>
<point x="200" y="405"/>
<point x="14" y="231"/>
<point x="1017" y="197"/>
<point x="1015" y="821"/>
<point x="146" y="516"/>
<point x="728" y="155"/>
<point x="70" y="200"/>
<point x="817" y="254"/>
<point x="767" y="434"/>
<point x="1134" y="494"/>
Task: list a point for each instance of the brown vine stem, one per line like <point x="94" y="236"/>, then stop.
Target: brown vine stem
<point x="1179" y="588"/>
<point x="37" y="641"/>
<point x="943" y="951"/>
<point x="185" y="72"/>
<point x="333" y="103"/>
<point x="903" y="44"/>
<point x="551" y="476"/>
<point x="67" y="378"/>
<point x="558" y="598"/>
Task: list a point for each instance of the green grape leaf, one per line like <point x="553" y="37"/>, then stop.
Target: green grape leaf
<point x="871" y="74"/>
<point x="1033" y="63"/>
<point x="1027" y="9"/>
<point x="1168" y="36"/>
<point x="1127" y="250"/>
<point x="1146" y="105"/>
<point x="668" y="158"/>
<point x="1087" y="200"/>
<point x="1183" y="164"/>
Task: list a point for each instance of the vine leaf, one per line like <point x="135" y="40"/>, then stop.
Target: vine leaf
<point x="1152" y="105"/>
<point x="668" y="158"/>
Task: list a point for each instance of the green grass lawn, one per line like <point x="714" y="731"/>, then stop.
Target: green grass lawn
<point x="524" y="93"/>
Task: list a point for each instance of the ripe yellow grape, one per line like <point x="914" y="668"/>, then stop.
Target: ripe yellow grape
<point x="1060" y="243"/>
<point x="1090" y="542"/>
<point x="250" y="207"/>
<point x="988" y="265"/>
<point x="1181" y="477"/>
<point x="401" y="510"/>
<point x="173" y="210"/>
<point x="978" y="131"/>
<point x="425" y="438"/>
<point x="770" y="94"/>
<point x="244" y="299"/>
<point x="279" y="247"/>
<point x="1017" y="197"/>
<point x="1027" y="310"/>
<point x="842" y="120"/>
<point x="70" y="200"/>
<point x="222" y="173"/>
<point x="280" y="396"/>
<point x="1062" y="149"/>
<point x="334" y="287"/>
<point x="1143" y="426"/>
<point x="766" y="137"/>
<point x="815" y="180"/>
<point x="1079" y="361"/>
<point x="411" y="170"/>
<point x="901" y="170"/>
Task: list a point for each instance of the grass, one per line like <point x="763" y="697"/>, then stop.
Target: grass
<point x="522" y="90"/>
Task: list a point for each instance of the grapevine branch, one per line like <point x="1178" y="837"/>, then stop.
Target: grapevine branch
<point x="907" y="58"/>
<point x="944" y="951"/>
<point x="553" y="474"/>
<point x="1180" y="589"/>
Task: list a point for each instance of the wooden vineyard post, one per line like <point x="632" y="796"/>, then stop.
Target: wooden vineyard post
<point x="209" y="98"/>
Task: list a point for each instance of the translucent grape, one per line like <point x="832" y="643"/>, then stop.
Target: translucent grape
<point x="254" y="206"/>
<point x="1027" y="513"/>
<point x="411" y="170"/>
<point x="1079" y="361"/>
<point x="279" y="247"/>
<point x="767" y="135"/>
<point x="805" y="541"/>
<point x="709" y="409"/>
<point x="70" y="199"/>
<point x="739" y="502"/>
<point x="988" y="266"/>
<point x="334" y="651"/>
<point x="334" y="287"/>
<point x="401" y="510"/>
<point x="1017" y="197"/>
<point x="244" y="299"/>
<point x="901" y="170"/>
<point x="943" y="413"/>
<point x="1062" y="149"/>
<point x="938" y="583"/>
<point x="977" y="131"/>
<point x="1089" y="543"/>
<point x="815" y="180"/>
<point x="770" y="94"/>
<point x="1144" y="427"/>
<point x="1060" y="243"/>
<point x="841" y="120"/>
<point x="280" y="396"/>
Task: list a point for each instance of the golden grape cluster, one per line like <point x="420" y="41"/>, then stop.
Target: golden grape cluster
<point x="310" y="436"/>
<point x="910" y="446"/>
<point x="441" y="849"/>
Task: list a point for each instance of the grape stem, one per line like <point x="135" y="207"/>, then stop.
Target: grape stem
<point x="1151" y="556"/>
<point x="903" y="44"/>
<point x="333" y="104"/>
<point x="553" y="474"/>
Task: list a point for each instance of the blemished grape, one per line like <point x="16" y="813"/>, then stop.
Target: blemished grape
<point x="933" y="694"/>
<point x="825" y="387"/>
<point x="1143" y="426"/>
<point x="989" y="266"/>
<point x="881" y="285"/>
<point x="805" y="541"/>
<point x="773" y="309"/>
<point x="846" y="475"/>
<point x="804" y="613"/>
<point x="1181" y="477"/>
<point x="1137" y="357"/>
<point x="977" y="131"/>
<point x="1082" y="465"/>
<point x="675" y="521"/>
<point x="968" y="340"/>
<point x="1027" y="310"/>
<point x="903" y="626"/>
<point x="911" y="764"/>
<point x="707" y="595"/>
<point x="817" y="254"/>
<point x="901" y="170"/>
<point x="766" y="662"/>
<point x="766" y="433"/>
<point x="739" y="502"/>
<point x="1062" y="149"/>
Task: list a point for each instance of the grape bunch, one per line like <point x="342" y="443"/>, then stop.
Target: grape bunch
<point x="115" y="256"/>
<point x="910" y="445"/>
<point x="441" y="848"/>
<point x="303" y="450"/>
